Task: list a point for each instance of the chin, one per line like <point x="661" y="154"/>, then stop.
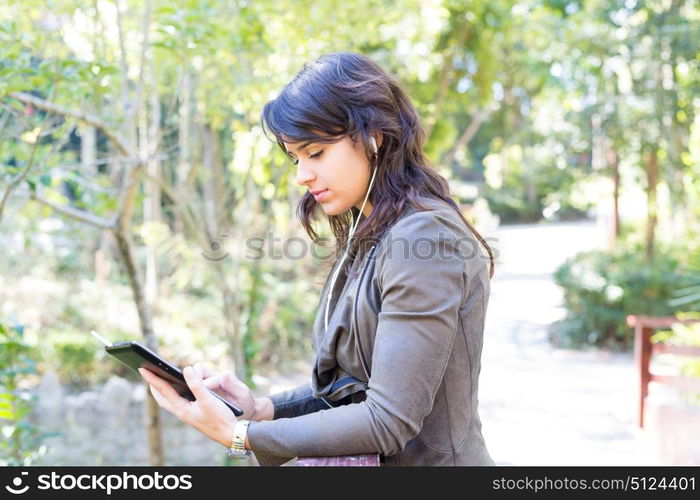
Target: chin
<point x="333" y="208"/>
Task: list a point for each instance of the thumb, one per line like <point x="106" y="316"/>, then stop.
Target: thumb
<point x="196" y="384"/>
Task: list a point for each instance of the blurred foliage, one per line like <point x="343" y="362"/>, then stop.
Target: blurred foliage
<point x="602" y="288"/>
<point x="684" y="335"/>
<point x="520" y="188"/>
<point x="74" y="357"/>
<point x="21" y="442"/>
<point x="687" y="296"/>
<point x="522" y="104"/>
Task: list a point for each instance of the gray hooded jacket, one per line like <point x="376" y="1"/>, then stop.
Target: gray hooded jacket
<point x="407" y="322"/>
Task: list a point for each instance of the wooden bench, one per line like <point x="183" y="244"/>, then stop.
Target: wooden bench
<point x="644" y="350"/>
<point x="369" y="460"/>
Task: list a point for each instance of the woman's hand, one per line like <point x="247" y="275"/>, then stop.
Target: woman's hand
<point x="207" y="414"/>
<point x="230" y="387"/>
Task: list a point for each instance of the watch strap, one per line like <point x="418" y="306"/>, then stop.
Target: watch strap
<point x="237" y="448"/>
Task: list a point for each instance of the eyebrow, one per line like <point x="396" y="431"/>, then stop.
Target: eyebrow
<point x="303" y="146"/>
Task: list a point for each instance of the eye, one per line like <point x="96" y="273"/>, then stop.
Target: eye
<point x="295" y="161"/>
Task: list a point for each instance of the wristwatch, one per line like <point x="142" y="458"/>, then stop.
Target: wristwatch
<point x="237" y="449"/>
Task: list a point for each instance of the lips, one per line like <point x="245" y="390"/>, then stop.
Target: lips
<point x="320" y="194"/>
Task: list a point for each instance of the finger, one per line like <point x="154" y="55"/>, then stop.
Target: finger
<point x="196" y="385"/>
<point x="200" y="369"/>
<point x="177" y="404"/>
<point x="233" y="384"/>
<point x="204" y="370"/>
<point x="159" y="383"/>
<point x="162" y="402"/>
<point x="213" y="382"/>
<point x="147" y="375"/>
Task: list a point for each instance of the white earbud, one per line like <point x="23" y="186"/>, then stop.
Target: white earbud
<point x="374" y="144"/>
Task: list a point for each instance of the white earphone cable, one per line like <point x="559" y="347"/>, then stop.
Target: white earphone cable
<point x="350" y="235"/>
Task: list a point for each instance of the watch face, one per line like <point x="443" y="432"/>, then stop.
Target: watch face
<point x="236" y="453"/>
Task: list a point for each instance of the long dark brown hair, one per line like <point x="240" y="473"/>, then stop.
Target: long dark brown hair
<point x="347" y="94"/>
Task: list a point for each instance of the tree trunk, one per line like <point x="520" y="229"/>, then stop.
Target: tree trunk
<point x="652" y="179"/>
<point x="184" y="117"/>
<point x="122" y="232"/>
<point x="152" y="193"/>
<point x="466" y="137"/>
<point x="155" y="441"/>
<point x="88" y="148"/>
<point x="232" y="321"/>
<point x="613" y="161"/>
<point x="212" y="208"/>
<point x="220" y="192"/>
<point x="88" y="161"/>
<point x="184" y="161"/>
<point x="209" y="187"/>
<point x="446" y="78"/>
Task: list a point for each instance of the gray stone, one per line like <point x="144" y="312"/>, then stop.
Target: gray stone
<point x="49" y="407"/>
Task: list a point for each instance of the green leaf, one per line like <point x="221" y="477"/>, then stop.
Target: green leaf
<point x="166" y="10"/>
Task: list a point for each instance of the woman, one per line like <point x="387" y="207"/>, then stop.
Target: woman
<point x="399" y="330"/>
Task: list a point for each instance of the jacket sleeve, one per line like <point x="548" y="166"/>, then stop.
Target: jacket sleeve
<point x="296" y="401"/>
<point x="423" y="282"/>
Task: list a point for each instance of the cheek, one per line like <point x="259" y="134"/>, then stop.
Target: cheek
<point x="334" y="175"/>
<point x="346" y="177"/>
<point x="356" y="180"/>
<point x="351" y="177"/>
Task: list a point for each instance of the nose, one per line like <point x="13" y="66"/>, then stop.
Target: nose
<point x="304" y="174"/>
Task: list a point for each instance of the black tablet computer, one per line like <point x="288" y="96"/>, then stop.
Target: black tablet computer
<point x="135" y="356"/>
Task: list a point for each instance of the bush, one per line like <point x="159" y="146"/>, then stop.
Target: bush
<point x="687" y="295"/>
<point x="22" y="440"/>
<point x="73" y="356"/>
<point x="601" y="289"/>
<point x="684" y="366"/>
<point x="78" y="360"/>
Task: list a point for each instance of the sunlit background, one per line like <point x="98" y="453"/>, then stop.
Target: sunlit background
<point x="134" y="175"/>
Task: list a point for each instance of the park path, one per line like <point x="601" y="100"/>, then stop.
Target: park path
<point x="540" y="405"/>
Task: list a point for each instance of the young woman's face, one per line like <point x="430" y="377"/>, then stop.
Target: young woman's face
<point x="337" y="174"/>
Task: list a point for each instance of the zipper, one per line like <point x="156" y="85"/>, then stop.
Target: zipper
<point x="353" y="321"/>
